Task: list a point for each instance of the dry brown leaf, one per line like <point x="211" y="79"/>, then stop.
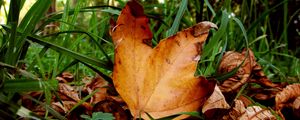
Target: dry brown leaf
<point x="250" y="71"/>
<point x="67" y="92"/>
<point x="262" y="93"/>
<point x="241" y="112"/>
<point x="288" y="94"/>
<point x="64" y="107"/>
<point x="98" y="83"/>
<point x="296" y="103"/>
<point x="258" y="76"/>
<point x="296" y="106"/>
<point x="257" y="113"/>
<point x="65" y="77"/>
<point x="288" y="97"/>
<point x="229" y="62"/>
<point x="160" y="80"/>
<point x="68" y="76"/>
<point x="216" y="100"/>
<point x="215" y="106"/>
<point x="236" y="111"/>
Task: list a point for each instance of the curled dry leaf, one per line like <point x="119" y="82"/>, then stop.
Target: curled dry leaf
<point x="257" y="113"/>
<point x="159" y="80"/>
<point x="97" y="83"/>
<point x="241" y="112"/>
<point x="236" y="111"/>
<point x="263" y="93"/>
<point x="67" y="92"/>
<point x="259" y="77"/>
<point x="250" y="70"/>
<point x="296" y="103"/>
<point x="229" y="62"/>
<point x="64" y="107"/>
<point x="215" y="101"/>
<point x="103" y="101"/>
<point x="65" y="77"/>
<point x="215" y="106"/>
<point x="296" y="106"/>
<point x="288" y="97"/>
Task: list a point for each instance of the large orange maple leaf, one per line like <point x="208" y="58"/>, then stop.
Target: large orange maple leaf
<point x="159" y="80"/>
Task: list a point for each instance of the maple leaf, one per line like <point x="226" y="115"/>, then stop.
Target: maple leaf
<point x="160" y="80"/>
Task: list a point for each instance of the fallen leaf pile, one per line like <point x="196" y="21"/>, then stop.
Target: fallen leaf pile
<point x="249" y="71"/>
<point x="68" y="96"/>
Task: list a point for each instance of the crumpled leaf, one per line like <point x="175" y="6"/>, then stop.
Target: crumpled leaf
<point x="241" y="112"/>
<point x="262" y="93"/>
<point x="296" y="107"/>
<point x="64" y="107"/>
<point x="288" y="97"/>
<point x="215" y="105"/>
<point x="216" y="100"/>
<point x="67" y="92"/>
<point x="296" y="103"/>
<point x="97" y="83"/>
<point x="65" y="77"/>
<point x="229" y="62"/>
<point x="249" y="71"/>
<point x="159" y="80"/>
<point x="257" y="113"/>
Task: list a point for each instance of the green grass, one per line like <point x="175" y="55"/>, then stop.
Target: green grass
<point x="80" y="41"/>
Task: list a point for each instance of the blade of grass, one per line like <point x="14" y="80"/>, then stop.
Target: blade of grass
<point x="12" y="20"/>
<point x="92" y="38"/>
<point x="285" y="24"/>
<point x="26" y="113"/>
<point x="227" y="75"/>
<point x="268" y="63"/>
<point x="241" y="91"/>
<point x="210" y="8"/>
<point x="83" y="30"/>
<point x="150" y="117"/>
<point x="80" y="57"/>
<point x="221" y="53"/>
<point x="74" y="62"/>
<point x="19" y="71"/>
<point x="257" y="39"/>
<point x="41" y="54"/>
<point x="112" y="11"/>
<point x="217" y="36"/>
<point x="48" y="108"/>
<point x="29" y="22"/>
<point x="82" y="101"/>
<point x="26" y="85"/>
<point x="262" y="16"/>
<point x="53" y="17"/>
<point x="105" y="77"/>
<point x="176" y="23"/>
<point x="243" y="30"/>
